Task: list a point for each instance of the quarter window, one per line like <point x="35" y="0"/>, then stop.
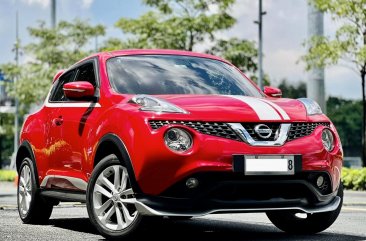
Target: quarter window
<point x="86" y="73"/>
<point x="82" y="73"/>
<point x="58" y="94"/>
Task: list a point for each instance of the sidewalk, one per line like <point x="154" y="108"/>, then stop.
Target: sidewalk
<point x="8" y="192"/>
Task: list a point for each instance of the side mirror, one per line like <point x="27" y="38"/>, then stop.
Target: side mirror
<point x="79" y="90"/>
<point x="272" y="92"/>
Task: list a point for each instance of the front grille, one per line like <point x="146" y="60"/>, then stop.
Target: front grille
<point x="249" y="127"/>
<point x="298" y="130"/>
<point x="208" y="128"/>
<point x="223" y="130"/>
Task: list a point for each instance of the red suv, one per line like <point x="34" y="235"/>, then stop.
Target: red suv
<point x="140" y="133"/>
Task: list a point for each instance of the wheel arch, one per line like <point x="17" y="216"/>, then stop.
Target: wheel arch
<point x="112" y="144"/>
<point x="25" y="150"/>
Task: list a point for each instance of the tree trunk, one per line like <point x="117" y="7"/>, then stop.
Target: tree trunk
<point x="191" y="40"/>
<point x="363" y="73"/>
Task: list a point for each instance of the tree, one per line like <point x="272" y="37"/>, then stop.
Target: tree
<point x="346" y="115"/>
<point x="176" y="24"/>
<point x="348" y="45"/>
<point x="184" y="24"/>
<point x="6" y="137"/>
<point x="52" y="50"/>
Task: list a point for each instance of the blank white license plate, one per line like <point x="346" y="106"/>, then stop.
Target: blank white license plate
<point x="269" y="165"/>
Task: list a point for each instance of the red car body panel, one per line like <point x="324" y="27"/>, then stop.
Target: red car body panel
<point x="64" y="138"/>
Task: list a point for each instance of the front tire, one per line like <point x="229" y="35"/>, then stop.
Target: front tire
<point x="293" y="222"/>
<point x="110" y="200"/>
<point x="32" y="208"/>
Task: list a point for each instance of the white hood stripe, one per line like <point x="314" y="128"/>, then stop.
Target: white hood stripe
<point x="278" y="108"/>
<point x="263" y="110"/>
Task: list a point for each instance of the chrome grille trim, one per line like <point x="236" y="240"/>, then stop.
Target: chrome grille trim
<point x="274" y="126"/>
<point x="246" y="137"/>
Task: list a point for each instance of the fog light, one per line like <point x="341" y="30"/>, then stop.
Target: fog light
<point x="192" y="183"/>
<point x="178" y="140"/>
<point x="320" y="181"/>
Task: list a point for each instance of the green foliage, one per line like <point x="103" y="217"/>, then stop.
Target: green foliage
<point x="354" y="179"/>
<point x="292" y="91"/>
<point x="346" y="115"/>
<point x="51" y="50"/>
<point x="175" y="24"/>
<point x="6" y="136"/>
<point x="7" y="175"/>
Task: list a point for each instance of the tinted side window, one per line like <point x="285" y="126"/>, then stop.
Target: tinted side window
<point x="58" y="94"/>
<point x="86" y="73"/>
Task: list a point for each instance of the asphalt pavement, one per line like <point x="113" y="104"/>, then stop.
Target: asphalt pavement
<point x="69" y="221"/>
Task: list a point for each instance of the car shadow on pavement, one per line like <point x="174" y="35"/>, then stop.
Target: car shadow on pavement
<point x="204" y="229"/>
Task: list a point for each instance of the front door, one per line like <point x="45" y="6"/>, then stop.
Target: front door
<point x="78" y="118"/>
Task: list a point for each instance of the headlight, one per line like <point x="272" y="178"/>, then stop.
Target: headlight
<point x="312" y="108"/>
<point x="178" y="140"/>
<point x="328" y="139"/>
<point x="150" y="103"/>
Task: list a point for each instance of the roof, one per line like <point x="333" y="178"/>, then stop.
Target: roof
<point x="109" y="54"/>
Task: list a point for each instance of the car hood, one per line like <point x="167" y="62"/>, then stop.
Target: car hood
<point x="238" y="108"/>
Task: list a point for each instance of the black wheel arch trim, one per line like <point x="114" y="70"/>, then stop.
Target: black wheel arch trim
<point x="126" y="159"/>
<point x="26" y="145"/>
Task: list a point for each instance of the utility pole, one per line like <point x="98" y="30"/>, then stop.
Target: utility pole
<point x="16" y="113"/>
<point x="53" y="14"/>
<point x="315" y="85"/>
<point x="96" y="44"/>
<point x="260" y="45"/>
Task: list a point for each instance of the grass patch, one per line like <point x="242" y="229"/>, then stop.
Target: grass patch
<point x="7" y="175"/>
<point x="354" y="179"/>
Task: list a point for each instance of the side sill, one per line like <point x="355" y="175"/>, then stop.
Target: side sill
<point x="64" y="196"/>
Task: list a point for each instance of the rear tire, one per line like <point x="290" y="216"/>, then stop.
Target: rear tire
<point x="292" y="222"/>
<point x="32" y="208"/>
<point x="110" y="200"/>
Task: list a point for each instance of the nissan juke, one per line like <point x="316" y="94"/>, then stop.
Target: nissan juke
<point x="176" y="134"/>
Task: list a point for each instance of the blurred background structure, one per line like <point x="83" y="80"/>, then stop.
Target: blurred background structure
<point x="297" y="56"/>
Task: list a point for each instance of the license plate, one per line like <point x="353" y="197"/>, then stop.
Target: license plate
<point x="269" y="165"/>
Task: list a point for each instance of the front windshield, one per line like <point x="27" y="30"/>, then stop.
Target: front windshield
<point x="172" y="74"/>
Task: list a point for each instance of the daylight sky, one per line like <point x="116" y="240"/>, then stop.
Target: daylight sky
<point x="284" y="29"/>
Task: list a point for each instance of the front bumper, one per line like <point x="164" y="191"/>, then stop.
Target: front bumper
<point x="163" y="207"/>
<point x="156" y="168"/>
<point x="233" y="192"/>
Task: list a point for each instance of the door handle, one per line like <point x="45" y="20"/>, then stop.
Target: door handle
<point x="58" y="121"/>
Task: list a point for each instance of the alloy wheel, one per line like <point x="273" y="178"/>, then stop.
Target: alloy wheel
<point x="25" y="190"/>
<point x="113" y="199"/>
